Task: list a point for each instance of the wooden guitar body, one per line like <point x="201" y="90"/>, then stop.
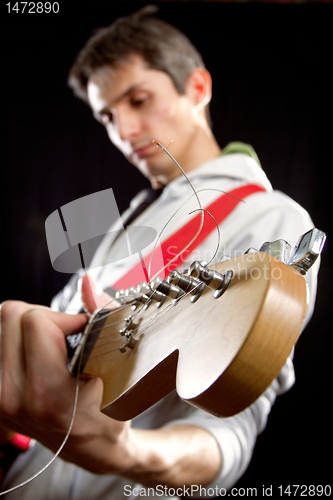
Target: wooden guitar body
<point x="219" y="354"/>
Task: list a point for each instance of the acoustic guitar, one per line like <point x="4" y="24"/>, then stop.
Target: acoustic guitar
<point x="219" y="335"/>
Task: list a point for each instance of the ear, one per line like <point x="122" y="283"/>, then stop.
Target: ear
<point x="199" y="87"/>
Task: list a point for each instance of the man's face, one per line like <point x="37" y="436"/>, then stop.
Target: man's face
<point x="137" y="105"/>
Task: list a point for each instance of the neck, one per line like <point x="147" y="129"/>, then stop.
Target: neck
<point x="205" y="148"/>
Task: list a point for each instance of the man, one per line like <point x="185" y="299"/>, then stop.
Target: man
<point x="145" y="82"/>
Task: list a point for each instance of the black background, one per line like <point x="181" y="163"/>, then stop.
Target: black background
<point x="271" y="68"/>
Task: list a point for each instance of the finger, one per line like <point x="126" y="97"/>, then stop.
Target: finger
<point x="49" y="388"/>
<point x="29" y="332"/>
<point x="44" y="335"/>
<point x="93" y="297"/>
<point x="13" y="361"/>
<point x="26" y="328"/>
<point x="45" y="354"/>
<point x="12" y="355"/>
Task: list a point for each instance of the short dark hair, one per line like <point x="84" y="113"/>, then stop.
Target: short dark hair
<point x="161" y="45"/>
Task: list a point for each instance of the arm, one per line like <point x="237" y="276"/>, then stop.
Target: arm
<point x="38" y="394"/>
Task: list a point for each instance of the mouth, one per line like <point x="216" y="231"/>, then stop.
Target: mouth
<point x="142" y="151"/>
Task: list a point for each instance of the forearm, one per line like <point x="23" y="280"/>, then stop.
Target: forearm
<point x="176" y="456"/>
<point x="173" y="456"/>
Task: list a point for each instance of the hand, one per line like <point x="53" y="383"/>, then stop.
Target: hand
<point x="37" y="392"/>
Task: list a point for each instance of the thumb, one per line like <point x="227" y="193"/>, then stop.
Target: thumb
<point x="93" y="297"/>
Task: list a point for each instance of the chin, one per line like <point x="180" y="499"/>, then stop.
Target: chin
<point x="157" y="170"/>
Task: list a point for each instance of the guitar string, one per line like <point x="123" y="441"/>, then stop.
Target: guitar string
<point x="121" y="337"/>
<point x="109" y="312"/>
<point x="196" y="235"/>
<point x="150" y="321"/>
<point x="165" y="310"/>
<point x="158" y="144"/>
<point x="193" y="239"/>
<point x="218" y="234"/>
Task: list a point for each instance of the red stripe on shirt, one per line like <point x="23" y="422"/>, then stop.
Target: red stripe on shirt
<point x="219" y="209"/>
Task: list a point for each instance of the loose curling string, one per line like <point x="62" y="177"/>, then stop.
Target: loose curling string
<point x="158" y="144"/>
<point x="218" y="234"/>
<point x="32" y="478"/>
<point x="217" y="226"/>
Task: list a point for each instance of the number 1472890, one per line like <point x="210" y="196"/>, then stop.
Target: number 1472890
<point x="33" y="7"/>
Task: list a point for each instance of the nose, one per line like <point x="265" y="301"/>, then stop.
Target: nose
<point x="128" y="124"/>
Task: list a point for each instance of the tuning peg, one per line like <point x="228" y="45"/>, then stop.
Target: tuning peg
<point x="307" y="250"/>
<point x="183" y="281"/>
<point x="279" y="249"/>
<point x="130" y="343"/>
<point x="147" y="295"/>
<point x="127" y="296"/>
<point x="187" y="283"/>
<point x="167" y="288"/>
<point x="120" y="294"/>
<point x="143" y="288"/>
<point x="211" y="278"/>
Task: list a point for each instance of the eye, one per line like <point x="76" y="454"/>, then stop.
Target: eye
<point x="139" y="99"/>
